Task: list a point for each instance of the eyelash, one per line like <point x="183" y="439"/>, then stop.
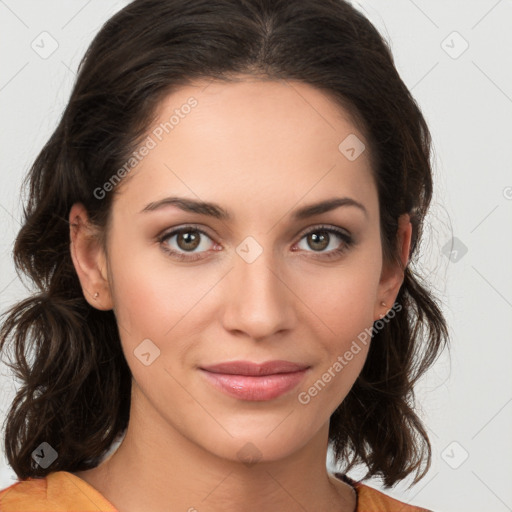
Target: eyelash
<point x="347" y="241"/>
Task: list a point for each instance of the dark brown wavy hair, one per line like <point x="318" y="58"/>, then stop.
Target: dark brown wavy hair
<point x="75" y="384"/>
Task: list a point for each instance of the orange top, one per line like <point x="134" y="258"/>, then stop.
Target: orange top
<point x="61" y="491"/>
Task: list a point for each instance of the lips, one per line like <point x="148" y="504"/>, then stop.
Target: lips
<point x="258" y="369"/>
<point x="246" y="380"/>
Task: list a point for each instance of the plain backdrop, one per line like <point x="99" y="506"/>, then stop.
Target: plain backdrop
<point x="456" y="57"/>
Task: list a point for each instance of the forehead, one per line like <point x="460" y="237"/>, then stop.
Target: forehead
<point x="251" y="138"/>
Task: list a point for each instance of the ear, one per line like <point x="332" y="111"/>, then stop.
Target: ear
<point x="89" y="259"/>
<point x="392" y="275"/>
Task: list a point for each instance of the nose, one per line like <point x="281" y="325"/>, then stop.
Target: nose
<point x="259" y="302"/>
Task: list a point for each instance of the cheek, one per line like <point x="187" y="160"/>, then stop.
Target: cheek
<point x="341" y="326"/>
<point x="157" y="300"/>
<point x="146" y="301"/>
<point x="343" y="298"/>
<point x="340" y="308"/>
<point x="145" y="289"/>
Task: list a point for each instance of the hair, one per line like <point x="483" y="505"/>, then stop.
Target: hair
<point x="75" y="384"/>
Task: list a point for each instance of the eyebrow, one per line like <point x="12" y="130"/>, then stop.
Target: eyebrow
<point x="216" y="211"/>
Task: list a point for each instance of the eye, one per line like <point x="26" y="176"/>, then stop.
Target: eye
<point x="321" y="238"/>
<point x="188" y="242"/>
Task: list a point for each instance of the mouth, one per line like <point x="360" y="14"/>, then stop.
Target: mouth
<point x="253" y="381"/>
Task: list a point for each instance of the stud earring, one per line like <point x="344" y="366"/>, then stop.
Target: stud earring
<point x="96" y="295"/>
<point x="383" y="304"/>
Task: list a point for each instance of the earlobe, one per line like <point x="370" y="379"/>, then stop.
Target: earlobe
<point x="89" y="259"/>
<point x="392" y="275"/>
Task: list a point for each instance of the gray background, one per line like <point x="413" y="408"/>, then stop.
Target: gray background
<point x="456" y="57"/>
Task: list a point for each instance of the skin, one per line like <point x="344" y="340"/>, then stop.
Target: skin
<point x="261" y="150"/>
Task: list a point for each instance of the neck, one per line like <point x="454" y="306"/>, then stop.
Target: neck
<point x="156" y="468"/>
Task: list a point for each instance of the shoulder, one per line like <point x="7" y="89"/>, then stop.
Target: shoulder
<point x="372" y="500"/>
<point x="58" y="492"/>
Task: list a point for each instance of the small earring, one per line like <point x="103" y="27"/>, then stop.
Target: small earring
<point x="96" y="295"/>
<point x="384" y="305"/>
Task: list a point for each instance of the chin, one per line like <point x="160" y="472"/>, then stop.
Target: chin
<point x="274" y="442"/>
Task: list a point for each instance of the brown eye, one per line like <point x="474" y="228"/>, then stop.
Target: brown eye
<point x="186" y="243"/>
<point x="326" y="241"/>
<point x="318" y="242"/>
<point x="188" y="240"/>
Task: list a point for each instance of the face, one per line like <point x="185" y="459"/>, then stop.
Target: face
<point x="257" y="276"/>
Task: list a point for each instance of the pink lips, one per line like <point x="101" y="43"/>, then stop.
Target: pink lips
<point x="251" y="381"/>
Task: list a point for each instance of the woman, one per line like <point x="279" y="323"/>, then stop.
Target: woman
<point x="221" y="229"/>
